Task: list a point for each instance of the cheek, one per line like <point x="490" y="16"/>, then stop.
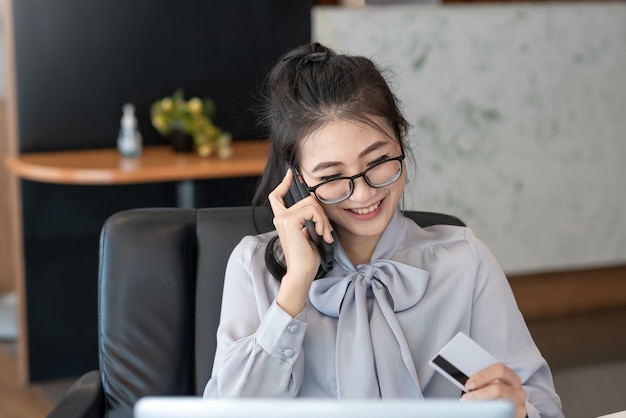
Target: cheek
<point x="332" y="211"/>
<point x="400" y="185"/>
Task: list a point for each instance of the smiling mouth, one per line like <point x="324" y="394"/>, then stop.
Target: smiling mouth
<point x="364" y="211"/>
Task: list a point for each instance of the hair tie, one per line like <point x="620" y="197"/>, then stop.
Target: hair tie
<point x="321" y="56"/>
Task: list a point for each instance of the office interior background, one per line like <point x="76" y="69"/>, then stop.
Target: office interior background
<point x="519" y="129"/>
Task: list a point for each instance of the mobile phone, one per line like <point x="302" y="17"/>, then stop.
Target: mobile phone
<point x="297" y="192"/>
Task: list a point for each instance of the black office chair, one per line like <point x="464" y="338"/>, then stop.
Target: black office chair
<point x="160" y="288"/>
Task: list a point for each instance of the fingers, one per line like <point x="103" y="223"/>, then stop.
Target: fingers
<point x="306" y="209"/>
<point x="322" y="225"/>
<point x="490" y="374"/>
<point x="277" y="196"/>
<point x="498" y="382"/>
<point x="301" y="255"/>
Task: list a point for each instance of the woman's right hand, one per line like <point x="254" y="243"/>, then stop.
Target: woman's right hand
<point x="301" y="255"/>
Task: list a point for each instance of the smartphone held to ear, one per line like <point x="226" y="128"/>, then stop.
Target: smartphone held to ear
<point x="297" y="192"/>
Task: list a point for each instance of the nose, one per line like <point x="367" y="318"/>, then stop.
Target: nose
<point x="362" y="191"/>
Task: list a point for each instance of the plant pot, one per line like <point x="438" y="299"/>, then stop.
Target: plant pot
<point x="181" y="142"/>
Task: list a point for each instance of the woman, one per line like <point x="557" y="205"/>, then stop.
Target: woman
<point x="396" y="294"/>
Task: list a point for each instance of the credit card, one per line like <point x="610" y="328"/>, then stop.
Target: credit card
<point x="461" y="358"/>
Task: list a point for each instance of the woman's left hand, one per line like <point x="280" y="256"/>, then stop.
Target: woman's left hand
<point x="498" y="382"/>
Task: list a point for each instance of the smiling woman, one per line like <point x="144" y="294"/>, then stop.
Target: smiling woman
<point x="396" y="292"/>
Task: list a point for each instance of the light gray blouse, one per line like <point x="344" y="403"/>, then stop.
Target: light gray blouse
<point x="370" y="330"/>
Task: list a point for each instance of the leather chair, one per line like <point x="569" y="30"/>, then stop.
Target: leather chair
<point x="160" y="286"/>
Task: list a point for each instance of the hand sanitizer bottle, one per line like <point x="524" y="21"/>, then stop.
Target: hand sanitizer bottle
<point x="129" y="141"/>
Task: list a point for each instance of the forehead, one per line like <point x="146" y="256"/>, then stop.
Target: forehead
<point x="342" y="139"/>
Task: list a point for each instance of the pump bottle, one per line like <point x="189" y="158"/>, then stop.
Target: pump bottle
<point x="129" y="140"/>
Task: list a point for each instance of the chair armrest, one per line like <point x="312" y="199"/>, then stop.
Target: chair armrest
<point x="85" y="399"/>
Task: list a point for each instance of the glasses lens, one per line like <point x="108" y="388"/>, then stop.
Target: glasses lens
<point x="384" y="174"/>
<point x="338" y="190"/>
<point x="334" y="191"/>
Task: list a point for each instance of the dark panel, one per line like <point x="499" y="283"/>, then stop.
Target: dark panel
<point x="61" y="295"/>
<point x="225" y="192"/>
<point x="78" y="62"/>
<point x="61" y="237"/>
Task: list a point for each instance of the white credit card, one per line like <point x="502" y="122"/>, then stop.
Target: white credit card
<point x="460" y="359"/>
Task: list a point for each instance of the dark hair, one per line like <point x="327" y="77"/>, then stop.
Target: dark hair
<point x="311" y="86"/>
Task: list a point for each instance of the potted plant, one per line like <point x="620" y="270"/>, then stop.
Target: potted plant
<point x="189" y="125"/>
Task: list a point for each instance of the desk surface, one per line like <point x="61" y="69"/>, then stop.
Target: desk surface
<point x="156" y="164"/>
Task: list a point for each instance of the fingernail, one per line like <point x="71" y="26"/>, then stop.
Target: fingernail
<point x="470" y="385"/>
<point x="464" y="398"/>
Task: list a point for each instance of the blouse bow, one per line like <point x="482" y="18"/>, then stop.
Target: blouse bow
<point x="371" y="353"/>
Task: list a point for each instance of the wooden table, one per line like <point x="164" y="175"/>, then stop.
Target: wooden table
<point x="156" y="164"/>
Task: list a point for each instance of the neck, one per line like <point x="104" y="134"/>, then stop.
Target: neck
<point x="358" y="249"/>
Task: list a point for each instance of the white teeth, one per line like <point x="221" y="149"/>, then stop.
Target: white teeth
<point x="366" y="210"/>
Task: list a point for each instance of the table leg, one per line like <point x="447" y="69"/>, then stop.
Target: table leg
<point x="186" y="194"/>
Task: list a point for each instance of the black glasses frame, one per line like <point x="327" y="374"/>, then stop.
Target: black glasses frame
<point x="356" y="176"/>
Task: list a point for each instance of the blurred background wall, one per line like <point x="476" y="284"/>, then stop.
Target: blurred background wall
<point x="518" y="115"/>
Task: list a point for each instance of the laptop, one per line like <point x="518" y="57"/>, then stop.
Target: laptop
<point x="196" y="407"/>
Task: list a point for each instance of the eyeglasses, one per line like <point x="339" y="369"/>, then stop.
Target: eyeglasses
<point x="381" y="174"/>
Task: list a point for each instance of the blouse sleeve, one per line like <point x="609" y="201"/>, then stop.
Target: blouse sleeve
<point x="259" y="345"/>
<point x="498" y="325"/>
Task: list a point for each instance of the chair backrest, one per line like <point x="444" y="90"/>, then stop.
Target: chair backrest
<point x="161" y="278"/>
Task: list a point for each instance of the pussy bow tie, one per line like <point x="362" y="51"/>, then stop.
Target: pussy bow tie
<point x="371" y="353"/>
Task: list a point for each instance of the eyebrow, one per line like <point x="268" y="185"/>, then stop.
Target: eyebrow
<point x="327" y="164"/>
